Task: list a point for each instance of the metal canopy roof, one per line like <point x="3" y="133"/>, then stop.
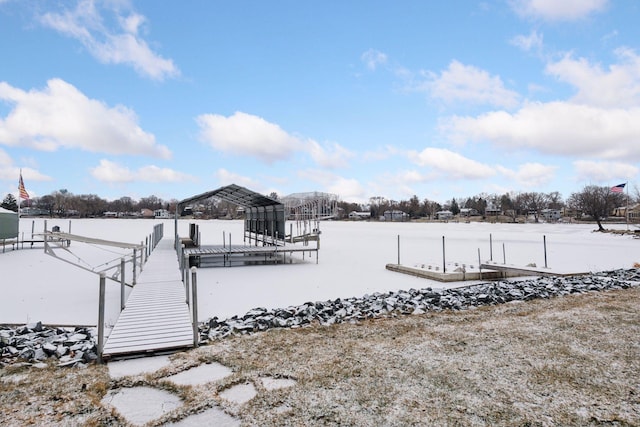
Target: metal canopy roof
<point x="234" y="194"/>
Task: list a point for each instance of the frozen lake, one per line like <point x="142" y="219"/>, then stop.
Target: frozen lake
<point x="352" y="259"/>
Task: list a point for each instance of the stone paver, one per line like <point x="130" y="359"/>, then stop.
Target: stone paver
<point x="142" y="365"/>
<point x="139" y="405"/>
<point x="277" y="383"/>
<point x="213" y="417"/>
<point x="201" y="374"/>
<point x="240" y="393"/>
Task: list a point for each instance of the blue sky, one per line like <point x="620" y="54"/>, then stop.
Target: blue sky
<point x="437" y="99"/>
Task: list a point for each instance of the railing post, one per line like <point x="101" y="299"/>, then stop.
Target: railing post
<point x="122" y="283"/>
<point x="135" y="257"/>
<point x="194" y="305"/>
<point x="185" y="279"/>
<point x="143" y="250"/>
<point x="101" y="317"/>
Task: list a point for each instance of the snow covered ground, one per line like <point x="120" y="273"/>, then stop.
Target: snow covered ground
<point x="352" y="259"/>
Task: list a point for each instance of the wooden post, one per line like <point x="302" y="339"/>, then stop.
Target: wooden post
<point x="398" y="249"/>
<point x="194" y="305"/>
<point x="142" y="251"/>
<point x="490" y="248"/>
<point x="185" y="279"/>
<point x="544" y="240"/>
<point x="122" y="283"/>
<point x="504" y="255"/>
<point x="479" y="264"/>
<point x="182" y="267"/>
<point x="101" y="317"/>
<point x="444" y="264"/>
<point x="135" y="257"/>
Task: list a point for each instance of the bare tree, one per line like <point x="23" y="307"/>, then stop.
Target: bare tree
<point x="596" y="202"/>
<point x="534" y="203"/>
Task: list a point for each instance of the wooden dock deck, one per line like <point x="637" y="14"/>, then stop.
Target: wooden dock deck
<point x="229" y="254"/>
<point x="156" y="316"/>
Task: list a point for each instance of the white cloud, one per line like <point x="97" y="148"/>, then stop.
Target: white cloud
<point x="108" y="171"/>
<point x="466" y="83"/>
<point x="530" y="175"/>
<point x="248" y="135"/>
<point x="373" y="58"/>
<point x="347" y="188"/>
<point x="450" y="164"/>
<point x="555" y="10"/>
<point x="555" y="128"/>
<point x="332" y="156"/>
<point x="618" y="86"/>
<point x="380" y="153"/>
<point x="226" y="177"/>
<point x="120" y="45"/>
<point x="62" y="116"/>
<point x="528" y="43"/>
<point x="604" y="172"/>
<point x="10" y="172"/>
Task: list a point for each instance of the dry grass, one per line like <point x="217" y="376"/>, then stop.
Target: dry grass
<point x="565" y="361"/>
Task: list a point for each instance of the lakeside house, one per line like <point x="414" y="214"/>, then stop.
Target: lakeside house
<point x="354" y="215"/>
<point x="161" y="214"/>
<point x="395" y="215"/>
<point x="444" y="215"/>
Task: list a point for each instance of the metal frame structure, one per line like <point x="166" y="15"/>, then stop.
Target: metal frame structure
<point x="311" y="206"/>
<point x="264" y="220"/>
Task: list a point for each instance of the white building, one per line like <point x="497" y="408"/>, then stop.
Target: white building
<point x="359" y="215"/>
<point x="551" y="214"/>
<point x="161" y="214"/>
<point x="444" y="215"/>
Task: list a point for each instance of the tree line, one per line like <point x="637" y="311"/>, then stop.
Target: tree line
<point x="63" y="203"/>
<point x="592" y="201"/>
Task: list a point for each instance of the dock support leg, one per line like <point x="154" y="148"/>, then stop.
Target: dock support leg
<point x="194" y="305"/>
<point x="122" y="283"/>
<point x="101" y="317"/>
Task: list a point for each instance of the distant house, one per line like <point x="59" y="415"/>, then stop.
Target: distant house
<point x="468" y="212"/>
<point x="444" y="215"/>
<point x="359" y="215"/>
<point x="161" y="214"/>
<point x="551" y="214"/>
<point x="633" y="212"/>
<point x="395" y="215"/>
<point x="492" y="210"/>
<point x="146" y="213"/>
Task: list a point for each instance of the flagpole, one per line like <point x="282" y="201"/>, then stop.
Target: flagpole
<point x="626" y="211"/>
<point x="19" y="199"/>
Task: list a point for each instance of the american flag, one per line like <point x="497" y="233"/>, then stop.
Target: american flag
<point x="618" y="188"/>
<point x="21" y="189"/>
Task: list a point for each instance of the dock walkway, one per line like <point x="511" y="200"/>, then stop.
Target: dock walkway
<point x="156" y="316"/>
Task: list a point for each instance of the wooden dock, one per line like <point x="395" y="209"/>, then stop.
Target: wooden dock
<point x="241" y="254"/>
<point x="514" y="271"/>
<point x="156" y="316"/>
